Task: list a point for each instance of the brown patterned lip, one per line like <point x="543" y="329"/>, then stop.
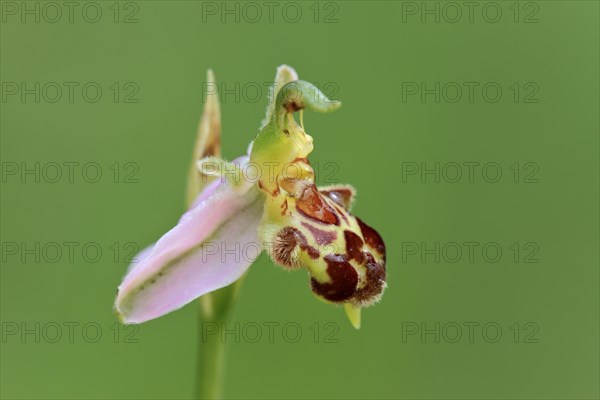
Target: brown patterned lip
<point x="344" y="279"/>
<point x="375" y="282"/>
<point x="321" y="237"/>
<point x="372" y="238"/>
<point x="312" y="205"/>
<point x="354" y="245"/>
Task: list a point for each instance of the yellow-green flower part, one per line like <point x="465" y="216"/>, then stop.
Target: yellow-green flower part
<point x="308" y="227"/>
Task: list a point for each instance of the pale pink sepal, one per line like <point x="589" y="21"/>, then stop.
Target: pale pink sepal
<point x="211" y="247"/>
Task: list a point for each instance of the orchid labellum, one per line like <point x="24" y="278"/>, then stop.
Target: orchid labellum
<point x="266" y="200"/>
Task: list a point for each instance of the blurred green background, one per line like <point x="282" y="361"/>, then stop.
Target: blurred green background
<point x="523" y="324"/>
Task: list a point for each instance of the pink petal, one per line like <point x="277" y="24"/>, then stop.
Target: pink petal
<point x="139" y="257"/>
<point x="212" y="246"/>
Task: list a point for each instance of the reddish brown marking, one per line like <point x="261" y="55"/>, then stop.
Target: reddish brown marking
<point x="293" y="106"/>
<point x="284" y="244"/>
<point x="372" y="238"/>
<point x="303" y="243"/>
<point x="354" y="246"/>
<point x="213" y="148"/>
<point x="342" y="196"/>
<point x="342" y="212"/>
<point x="311" y="251"/>
<point x="375" y="284"/>
<point x="344" y="279"/>
<point x="284" y="207"/>
<point x="321" y="236"/>
<point x="303" y="160"/>
<point x="262" y="186"/>
<point x="313" y="205"/>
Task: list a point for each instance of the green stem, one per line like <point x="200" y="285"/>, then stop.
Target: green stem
<point x="211" y="362"/>
<point x="214" y="314"/>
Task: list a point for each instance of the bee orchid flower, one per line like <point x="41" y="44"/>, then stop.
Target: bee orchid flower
<point x="264" y="201"/>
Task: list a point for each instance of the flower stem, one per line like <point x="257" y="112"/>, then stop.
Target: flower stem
<point x="214" y="313"/>
<point x="211" y="365"/>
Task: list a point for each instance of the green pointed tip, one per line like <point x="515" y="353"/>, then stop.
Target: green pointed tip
<point x="120" y="309"/>
<point x="120" y="316"/>
<point x="210" y="76"/>
<point x="334" y="105"/>
<point x="212" y="98"/>
<point x="353" y="314"/>
<point x="299" y="95"/>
